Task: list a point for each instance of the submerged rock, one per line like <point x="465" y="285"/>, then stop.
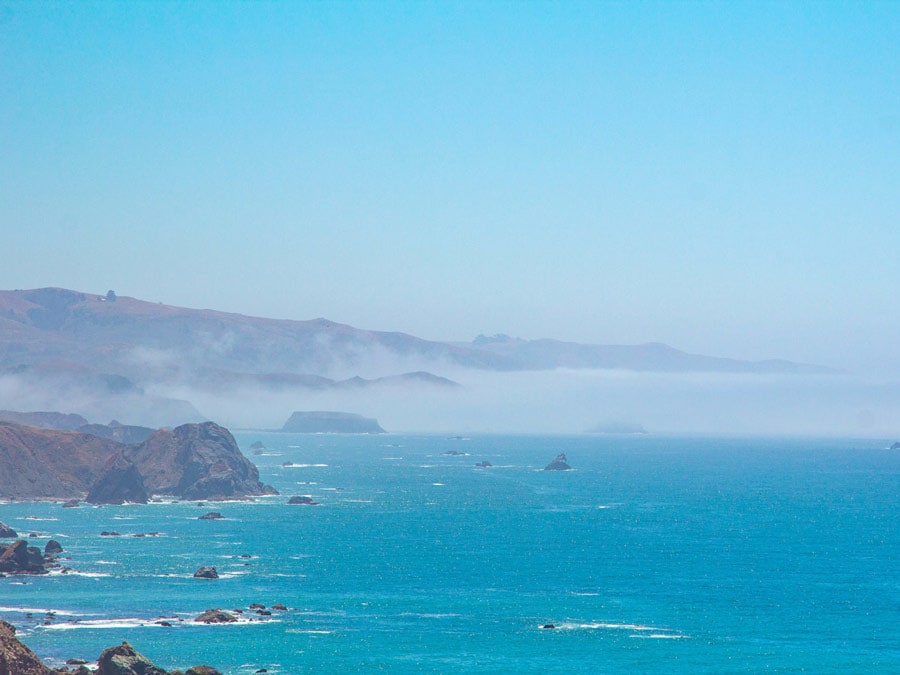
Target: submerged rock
<point x="483" y="465"/>
<point x="560" y="463"/>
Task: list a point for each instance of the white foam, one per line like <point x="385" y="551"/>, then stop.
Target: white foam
<point x="38" y="610"/>
<point x="438" y="484"/>
<point x="293" y="465"/>
<point x="104" y="623"/>
<point x="661" y="636"/>
<point x="309" y="631"/>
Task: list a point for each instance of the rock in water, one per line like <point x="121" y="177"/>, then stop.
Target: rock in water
<point x="197" y="461"/>
<point x="20" y="558"/>
<point x="121" y="482"/>
<point x="215" y="616"/>
<point x="71" y="504"/>
<point x="212" y="515"/>
<point x="6" y="532"/>
<point x="319" y="422"/>
<point x="560" y="463"/>
<point x="124" y="660"/>
<point x="206" y="573"/>
<point x="302" y="499"/>
<point x="53" y="547"/>
<point x="202" y="670"/>
<point x="16" y="658"/>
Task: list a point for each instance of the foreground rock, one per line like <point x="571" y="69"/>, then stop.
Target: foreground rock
<point x="560" y="463"/>
<point x="215" y="616"/>
<point x="16" y="658"/>
<point x="323" y="422"/>
<point x="125" y="660"/>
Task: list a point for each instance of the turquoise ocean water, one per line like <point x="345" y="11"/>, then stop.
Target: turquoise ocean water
<point x="655" y="555"/>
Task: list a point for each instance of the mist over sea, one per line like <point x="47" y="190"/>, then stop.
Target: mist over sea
<point x="654" y="554"/>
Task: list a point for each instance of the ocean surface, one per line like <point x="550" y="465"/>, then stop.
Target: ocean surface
<point x="654" y="555"/>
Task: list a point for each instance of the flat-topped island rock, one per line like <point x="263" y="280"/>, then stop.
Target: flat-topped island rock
<point x="329" y="422"/>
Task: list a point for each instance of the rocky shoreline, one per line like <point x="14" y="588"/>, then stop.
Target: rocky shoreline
<point x="17" y="659"/>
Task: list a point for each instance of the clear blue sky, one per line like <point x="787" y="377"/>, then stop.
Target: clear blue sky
<point x="723" y="177"/>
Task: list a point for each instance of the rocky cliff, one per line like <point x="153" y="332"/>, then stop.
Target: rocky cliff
<point x="196" y="461"/>
<point x="43" y="463"/>
<point x="193" y="461"/>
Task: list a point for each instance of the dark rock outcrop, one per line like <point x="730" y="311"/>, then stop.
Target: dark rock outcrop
<point x="6" y="532"/>
<point x="53" y="547"/>
<point x="483" y="465"/>
<point x="125" y="660"/>
<point x="896" y="446"/>
<point x="121" y="482"/>
<point x="16" y="658"/>
<point x="202" y="670"/>
<point x="303" y="499"/>
<point x="212" y="515"/>
<point x="71" y="504"/>
<point x="20" y="558"/>
<point x="215" y="616"/>
<point x="559" y="463"/>
<point x="319" y="422"/>
<point x="196" y="461"/>
<point x="206" y="573"/>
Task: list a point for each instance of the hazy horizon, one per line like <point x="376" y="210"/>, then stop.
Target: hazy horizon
<point x="714" y="177"/>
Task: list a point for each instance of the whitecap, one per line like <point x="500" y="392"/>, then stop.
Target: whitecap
<point x="38" y="610"/>
<point x="294" y="465"/>
<point x="661" y="636"/>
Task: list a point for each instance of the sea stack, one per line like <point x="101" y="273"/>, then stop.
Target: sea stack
<point x="560" y="463"/>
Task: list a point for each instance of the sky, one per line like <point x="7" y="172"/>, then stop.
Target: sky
<point x="721" y="177"/>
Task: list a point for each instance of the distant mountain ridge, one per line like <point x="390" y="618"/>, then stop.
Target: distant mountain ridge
<point x="132" y="337"/>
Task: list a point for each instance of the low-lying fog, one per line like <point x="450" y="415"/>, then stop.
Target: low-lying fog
<point x="559" y="401"/>
<point x="567" y="401"/>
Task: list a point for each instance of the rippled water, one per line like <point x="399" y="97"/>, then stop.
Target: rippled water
<point x="655" y="554"/>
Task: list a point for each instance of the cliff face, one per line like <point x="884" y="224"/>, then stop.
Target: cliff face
<point x="193" y="461"/>
<point x="43" y="463"/>
<point x="196" y="461"/>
